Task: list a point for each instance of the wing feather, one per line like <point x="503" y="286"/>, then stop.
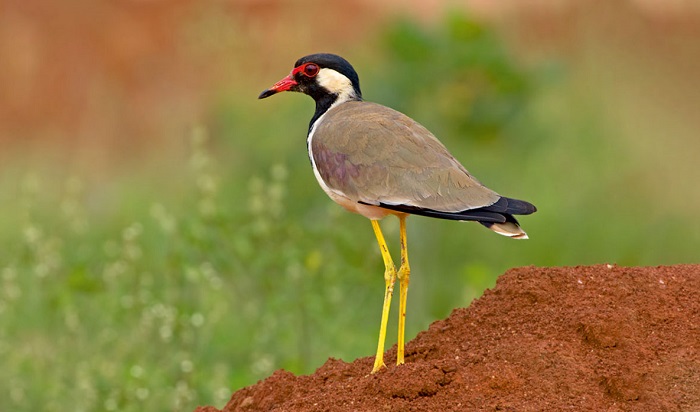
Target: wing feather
<point x="375" y="155"/>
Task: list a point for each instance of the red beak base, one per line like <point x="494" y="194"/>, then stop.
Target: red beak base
<point x="281" y="86"/>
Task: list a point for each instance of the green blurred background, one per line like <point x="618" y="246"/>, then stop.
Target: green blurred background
<point x="163" y="241"/>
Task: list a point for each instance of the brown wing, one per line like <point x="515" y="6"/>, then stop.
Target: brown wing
<point x="373" y="154"/>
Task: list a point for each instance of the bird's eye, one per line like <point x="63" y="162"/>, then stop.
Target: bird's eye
<point x="310" y="70"/>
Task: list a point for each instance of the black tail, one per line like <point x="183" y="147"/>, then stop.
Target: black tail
<point x="500" y="212"/>
<point x="497" y="217"/>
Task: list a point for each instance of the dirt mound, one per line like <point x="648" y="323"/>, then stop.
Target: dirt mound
<point x="597" y="338"/>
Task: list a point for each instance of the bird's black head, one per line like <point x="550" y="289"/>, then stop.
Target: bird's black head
<point x="323" y="76"/>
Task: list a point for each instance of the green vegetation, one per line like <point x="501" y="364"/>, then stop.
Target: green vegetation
<point x="168" y="289"/>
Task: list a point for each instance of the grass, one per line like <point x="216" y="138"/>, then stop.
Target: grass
<point x="161" y="289"/>
<point x="175" y="299"/>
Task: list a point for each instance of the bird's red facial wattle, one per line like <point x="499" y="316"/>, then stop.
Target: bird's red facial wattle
<point x="288" y="83"/>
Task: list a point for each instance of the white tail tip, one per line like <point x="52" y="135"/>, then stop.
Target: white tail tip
<point x="509" y="229"/>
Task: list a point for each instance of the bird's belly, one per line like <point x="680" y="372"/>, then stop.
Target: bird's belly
<point x="368" y="211"/>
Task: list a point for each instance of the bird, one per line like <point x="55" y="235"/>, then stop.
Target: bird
<point x="376" y="161"/>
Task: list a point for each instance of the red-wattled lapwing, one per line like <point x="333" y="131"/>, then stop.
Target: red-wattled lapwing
<point x="375" y="161"/>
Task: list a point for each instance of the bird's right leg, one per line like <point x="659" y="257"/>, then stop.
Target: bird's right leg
<point x="389" y="279"/>
<point x="404" y="274"/>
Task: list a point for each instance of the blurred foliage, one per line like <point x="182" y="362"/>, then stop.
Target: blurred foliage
<point x="170" y="286"/>
<point x="172" y="302"/>
<point x="458" y="73"/>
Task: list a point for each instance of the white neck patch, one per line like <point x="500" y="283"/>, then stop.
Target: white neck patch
<point x="336" y="83"/>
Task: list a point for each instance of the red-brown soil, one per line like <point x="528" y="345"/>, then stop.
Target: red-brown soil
<point x="596" y="338"/>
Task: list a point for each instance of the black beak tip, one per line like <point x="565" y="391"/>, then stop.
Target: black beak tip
<point x="267" y="93"/>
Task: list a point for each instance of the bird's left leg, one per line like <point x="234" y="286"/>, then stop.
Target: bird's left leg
<point x="389" y="279"/>
<point x="404" y="274"/>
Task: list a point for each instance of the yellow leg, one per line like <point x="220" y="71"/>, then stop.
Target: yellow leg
<point x="389" y="279"/>
<point x="404" y="275"/>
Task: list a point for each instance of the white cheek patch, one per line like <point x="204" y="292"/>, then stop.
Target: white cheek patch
<point x="336" y="83"/>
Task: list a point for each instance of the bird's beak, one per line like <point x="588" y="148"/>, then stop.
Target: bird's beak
<point x="281" y="86"/>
